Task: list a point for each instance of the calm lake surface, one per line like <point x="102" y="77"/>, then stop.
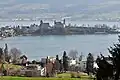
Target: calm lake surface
<point x="42" y="46"/>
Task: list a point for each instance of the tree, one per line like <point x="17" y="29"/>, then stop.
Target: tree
<point x="57" y="64"/>
<point x="57" y="57"/>
<point x="34" y="62"/>
<point x="1" y="55"/>
<point x="6" y="53"/>
<point x="105" y="69"/>
<point x="110" y="69"/>
<point x="47" y="60"/>
<point x="24" y="60"/>
<point x="90" y="63"/>
<point x="61" y="65"/>
<point x="65" y="61"/>
<point x="115" y="57"/>
<point x="24" y="57"/>
<point x="73" y="54"/>
<point x="15" y="54"/>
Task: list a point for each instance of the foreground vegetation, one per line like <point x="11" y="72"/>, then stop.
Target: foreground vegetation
<point x="64" y="76"/>
<point x="40" y="78"/>
<point x="8" y="66"/>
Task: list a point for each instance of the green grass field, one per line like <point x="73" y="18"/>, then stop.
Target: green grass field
<point x="40" y="78"/>
<point x="64" y="76"/>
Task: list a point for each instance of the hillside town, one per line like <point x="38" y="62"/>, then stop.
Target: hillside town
<point x="58" y="28"/>
<point x="45" y="67"/>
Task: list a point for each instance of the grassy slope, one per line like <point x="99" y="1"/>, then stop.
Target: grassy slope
<point x="40" y="78"/>
<point x="65" y="76"/>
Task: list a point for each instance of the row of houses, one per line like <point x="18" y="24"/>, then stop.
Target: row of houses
<point x="34" y="70"/>
<point x="7" y="32"/>
<point x="58" y="28"/>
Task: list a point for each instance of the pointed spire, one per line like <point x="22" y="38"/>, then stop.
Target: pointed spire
<point x="64" y="21"/>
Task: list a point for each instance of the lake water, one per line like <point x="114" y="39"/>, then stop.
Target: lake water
<point x="42" y="46"/>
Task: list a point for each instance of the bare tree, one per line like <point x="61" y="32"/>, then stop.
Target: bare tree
<point x="73" y="54"/>
<point x="15" y="54"/>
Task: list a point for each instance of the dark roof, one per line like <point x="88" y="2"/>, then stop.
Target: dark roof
<point x="58" y="23"/>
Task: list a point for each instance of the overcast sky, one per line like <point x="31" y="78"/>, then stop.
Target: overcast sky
<point x="44" y="6"/>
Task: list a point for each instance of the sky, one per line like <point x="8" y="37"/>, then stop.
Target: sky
<point x="17" y="7"/>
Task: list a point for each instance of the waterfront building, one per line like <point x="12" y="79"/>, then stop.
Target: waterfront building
<point x="33" y="28"/>
<point x="58" y="28"/>
<point x="25" y="29"/>
<point x="9" y="33"/>
<point x="58" y="24"/>
<point x="44" y="28"/>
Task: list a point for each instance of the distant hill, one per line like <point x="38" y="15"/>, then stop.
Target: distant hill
<point x="81" y="9"/>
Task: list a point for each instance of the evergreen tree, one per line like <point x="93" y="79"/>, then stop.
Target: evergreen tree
<point x="47" y="60"/>
<point x="57" y="57"/>
<point x="24" y="60"/>
<point x="61" y="65"/>
<point x="105" y="70"/>
<point x="6" y="53"/>
<point x="34" y="62"/>
<point x="110" y="69"/>
<point x="90" y="63"/>
<point x="115" y="57"/>
<point x="57" y="64"/>
<point x="65" y="61"/>
<point x="1" y="55"/>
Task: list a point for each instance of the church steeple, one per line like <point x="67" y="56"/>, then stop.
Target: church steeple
<point x="64" y="21"/>
<point x="41" y="22"/>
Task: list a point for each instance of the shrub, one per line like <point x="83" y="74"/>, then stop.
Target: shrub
<point x="78" y="75"/>
<point x="73" y="75"/>
<point x="60" y="77"/>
